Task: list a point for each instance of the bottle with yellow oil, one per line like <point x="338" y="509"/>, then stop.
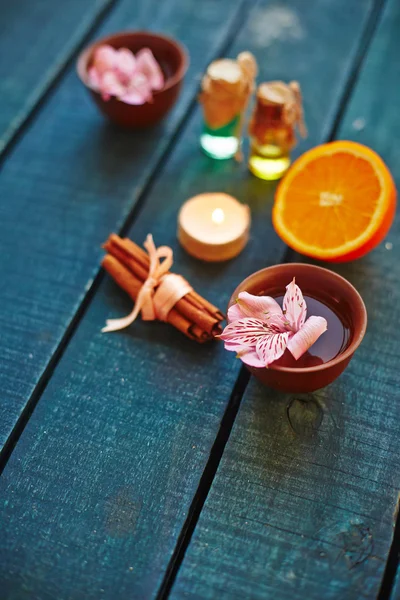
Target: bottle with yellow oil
<point x="277" y="113"/>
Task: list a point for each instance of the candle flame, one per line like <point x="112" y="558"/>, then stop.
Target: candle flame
<point x="218" y="216"/>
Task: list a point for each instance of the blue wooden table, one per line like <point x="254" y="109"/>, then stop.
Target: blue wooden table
<point x="141" y="465"/>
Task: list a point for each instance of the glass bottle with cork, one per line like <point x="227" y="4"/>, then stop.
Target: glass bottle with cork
<point x="226" y="89"/>
<point x="277" y="113"/>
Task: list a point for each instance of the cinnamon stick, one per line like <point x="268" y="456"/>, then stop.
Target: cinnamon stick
<point x="192" y="306"/>
<point x="119" y="252"/>
<point x="208" y="306"/>
<point x="200" y="335"/>
<point x="138" y="253"/>
<point x="122" y="276"/>
<point x="131" y="284"/>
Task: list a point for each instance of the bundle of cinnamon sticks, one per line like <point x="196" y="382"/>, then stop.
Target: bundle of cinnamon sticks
<point x="128" y="265"/>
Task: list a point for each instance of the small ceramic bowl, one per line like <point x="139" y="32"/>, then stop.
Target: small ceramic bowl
<point x="327" y="287"/>
<point x="173" y="60"/>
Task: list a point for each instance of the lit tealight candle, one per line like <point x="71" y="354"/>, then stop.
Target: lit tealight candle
<point x="213" y="227"/>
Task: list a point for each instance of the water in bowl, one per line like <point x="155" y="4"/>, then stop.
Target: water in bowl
<point x="329" y="345"/>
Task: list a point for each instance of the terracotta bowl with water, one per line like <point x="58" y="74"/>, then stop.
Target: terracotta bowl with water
<point x="327" y="295"/>
<point x="173" y="60"/>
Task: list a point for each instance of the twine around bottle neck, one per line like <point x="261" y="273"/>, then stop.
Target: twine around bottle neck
<point x="280" y="104"/>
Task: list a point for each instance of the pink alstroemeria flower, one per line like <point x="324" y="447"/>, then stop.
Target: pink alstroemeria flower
<point x="260" y="331"/>
<point x="120" y="73"/>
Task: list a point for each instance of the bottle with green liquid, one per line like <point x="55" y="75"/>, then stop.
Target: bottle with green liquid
<point x="221" y="142"/>
<point x="226" y="88"/>
<point x="277" y="113"/>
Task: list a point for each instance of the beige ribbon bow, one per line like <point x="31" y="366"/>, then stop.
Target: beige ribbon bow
<point x="154" y="304"/>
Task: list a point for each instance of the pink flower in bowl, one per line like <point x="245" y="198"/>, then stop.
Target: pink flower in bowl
<point x="328" y="289"/>
<point x="130" y="78"/>
<point x="165" y="80"/>
<point x="259" y="330"/>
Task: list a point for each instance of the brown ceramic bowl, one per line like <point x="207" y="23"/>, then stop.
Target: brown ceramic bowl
<point x="327" y="287"/>
<point x="173" y="60"/>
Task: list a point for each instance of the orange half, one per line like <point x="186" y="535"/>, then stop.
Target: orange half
<point x="336" y="203"/>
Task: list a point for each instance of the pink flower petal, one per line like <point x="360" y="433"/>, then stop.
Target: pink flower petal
<point x="250" y="357"/>
<point x="307" y="335"/>
<point x="294" y="306"/>
<point x="264" y="308"/>
<point x="277" y="323"/>
<point x="135" y="97"/>
<point x="104" y="58"/>
<point x="125" y="63"/>
<point x="110" y="84"/>
<point x="147" y="64"/>
<point x="260" y="307"/>
<point x="247" y="355"/>
<point x="244" y="332"/>
<point x="270" y="347"/>
<point x="138" y="92"/>
<point x="94" y="78"/>
<point x="235" y="313"/>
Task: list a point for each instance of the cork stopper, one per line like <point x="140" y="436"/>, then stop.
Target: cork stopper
<point x="275" y="93"/>
<point x="226" y="87"/>
<point x="277" y="100"/>
<point x="226" y="70"/>
<point x="277" y="113"/>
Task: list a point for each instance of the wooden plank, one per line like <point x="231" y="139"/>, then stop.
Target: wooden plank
<point x="69" y="182"/>
<point x="101" y="482"/>
<point x="304" y="501"/>
<point x="30" y="62"/>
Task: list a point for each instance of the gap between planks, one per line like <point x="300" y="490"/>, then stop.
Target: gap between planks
<point x="240" y="17"/>
<point x="392" y="564"/>
<point x="49" y="86"/>
<point x="365" y="42"/>
<point x="243" y="379"/>
<point x="206" y="480"/>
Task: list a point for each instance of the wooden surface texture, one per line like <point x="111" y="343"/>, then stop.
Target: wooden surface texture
<point x="68" y="182"/>
<point x="306" y="496"/>
<point x="101" y="483"/>
<point x="36" y="41"/>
